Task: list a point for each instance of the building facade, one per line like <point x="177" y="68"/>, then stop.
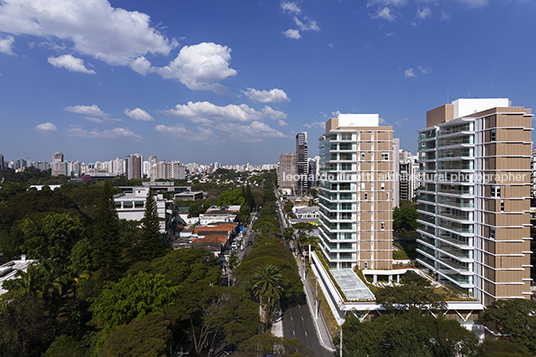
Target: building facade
<point x="134" y="166"/>
<point x="356" y="192"/>
<point x="287" y="173"/>
<point x="474" y="203"/>
<point x="303" y="165"/>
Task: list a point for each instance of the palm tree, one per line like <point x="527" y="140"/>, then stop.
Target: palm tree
<point x="267" y="287"/>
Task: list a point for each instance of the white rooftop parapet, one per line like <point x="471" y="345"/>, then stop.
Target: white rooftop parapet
<point x="359" y="119"/>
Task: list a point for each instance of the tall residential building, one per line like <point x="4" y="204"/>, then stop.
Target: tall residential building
<point x="134" y="166"/>
<point x="474" y="204"/>
<point x="2" y="167"/>
<point x="287" y="173"/>
<point x="356" y="192"/>
<point x="59" y="167"/>
<point x="303" y="165"/>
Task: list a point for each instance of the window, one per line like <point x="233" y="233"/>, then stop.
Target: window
<point x="492" y="135"/>
<point x="139" y="204"/>
<point x="362" y="156"/>
<point x="495" y="191"/>
<point x="117" y="204"/>
<point x="502" y="205"/>
<point x="382" y="186"/>
<point x="127" y="204"/>
<point x="346" y="136"/>
<point x="385" y="156"/>
<point x="382" y="225"/>
<point x="492" y="232"/>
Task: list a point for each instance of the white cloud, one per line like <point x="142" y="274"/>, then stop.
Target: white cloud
<point x="200" y="66"/>
<point x="46" y="127"/>
<point x="282" y="123"/>
<point x="445" y="16"/>
<point x="206" y="112"/>
<point x="107" y="134"/>
<point x="140" y="65"/>
<point x="397" y="3"/>
<point x="70" y="63"/>
<point x="291" y="7"/>
<point x="308" y="24"/>
<point x="91" y="110"/>
<point x="409" y="73"/>
<point x="399" y="123"/>
<point x="424" y="13"/>
<point x="6" y="45"/>
<point x="138" y="114"/>
<point x="330" y="45"/>
<point x="94" y="27"/>
<point x="384" y="122"/>
<point x="274" y="95"/>
<point x="474" y="3"/>
<point x="318" y="124"/>
<point x="292" y="33"/>
<point x="385" y="14"/>
<point x="253" y="132"/>
<point x="205" y="135"/>
<point x="335" y="114"/>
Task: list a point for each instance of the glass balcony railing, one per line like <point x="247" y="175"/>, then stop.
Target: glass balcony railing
<point x="456" y="129"/>
<point x="456" y="202"/>
<point x="455" y="226"/>
<point x="458" y="253"/>
<point x="459" y="267"/>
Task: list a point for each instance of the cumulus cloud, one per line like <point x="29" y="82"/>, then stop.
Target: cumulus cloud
<point x="91" y="110"/>
<point x="318" y="124"/>
<point x="424" y="13"/>
<point x="107" y="134"/>
<point x="384" y="13"/>
<point x="46" y="127"/>
<point x="70" y="63"/>
<point x="421" y="71"/>
<point x="292" y="33"/>
<point x="200" y="67"/>
<point x="308" y="24"/>
<point x="138" y="114"/>
<point x="384" y="122"/>
<point x="205" y="135"/>
<point x="94" y="28"/>
<point x="399" y="123"/>
<point x="207" y="113"/>
<point x="6" y="45"/>
<point x="289" y="6"/>
<point x="253" y="132"/>
<point x="409" y="73"/>
<point x="397" y="3"/>
<point x="474" y="3"/>
<point x="282" y="123"/>
<point x="264" y="96"/>
<point x="140" y="65"/>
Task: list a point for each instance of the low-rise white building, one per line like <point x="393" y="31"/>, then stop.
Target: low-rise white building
<point x="131" y="206"/>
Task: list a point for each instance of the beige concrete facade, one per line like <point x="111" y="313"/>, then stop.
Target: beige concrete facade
<point x="475" y="232"/>
<point x="356" y="195"/>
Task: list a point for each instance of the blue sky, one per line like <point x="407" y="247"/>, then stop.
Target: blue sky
<point x="234" y="81"/>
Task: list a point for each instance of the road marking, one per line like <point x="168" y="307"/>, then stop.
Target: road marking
<point x="294" y="332"/>
<point x="302" y="318"/>
<point x="305" y="333"/>
<point x="291" y="319"/>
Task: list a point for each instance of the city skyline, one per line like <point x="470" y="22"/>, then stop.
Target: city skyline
<point x="234" y="82"/>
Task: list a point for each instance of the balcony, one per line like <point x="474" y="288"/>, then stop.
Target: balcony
<point x="456" y="227"/>
<point x="455" y="202"/>
<point x="458" y="267"/>
<point x="458" y="253"/>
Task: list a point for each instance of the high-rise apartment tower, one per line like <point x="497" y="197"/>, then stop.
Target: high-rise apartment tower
<point x="303" y="165"/>
<point x="356" y="192"/>
<point x="474" y="204"/>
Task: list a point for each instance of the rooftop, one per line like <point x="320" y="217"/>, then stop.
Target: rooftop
<point x="350" y="284"/>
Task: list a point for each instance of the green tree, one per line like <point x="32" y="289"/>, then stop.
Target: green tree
<point x="107" y="246"/>
<point x="515" y="317"/>
<point x="66" y="346"/>
<point x="151" y="245"/>
<point x="231" y="198"/>
<point x="81" y="256"/>
<point x="405" y="218"/>
<point x="267" y="344"/>
<point x="52" y="237"/>
<point x="132" y="297"/>
<point x="195" y="209"/>
<point x="146" y="336"/>
<point x="267" y="286"/>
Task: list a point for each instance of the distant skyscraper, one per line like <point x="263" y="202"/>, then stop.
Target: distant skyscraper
<point x="2" y="162"/>
<point x="134" y="166"/>
<point x="59" y="167"/>
<point x="287" y="174"/>
<point x="303" y="165"/>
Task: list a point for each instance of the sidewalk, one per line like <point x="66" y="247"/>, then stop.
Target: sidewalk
<point x="321" y="327"/>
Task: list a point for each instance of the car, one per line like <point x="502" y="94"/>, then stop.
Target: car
<point x="250" y="243"/>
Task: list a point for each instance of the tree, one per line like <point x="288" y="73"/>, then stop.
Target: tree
<point x="24" y="324"/>
<point x="52" y="237"/>
<point x="132" y="297"/>
<point x="231" y="198"/>
<point x="151" y="245"/>
<point x="146" y="336"/>
<point x="81" y="256"/>
<point x="516" y="317"/>
<point x="107" y="244"/>
<point x="66" y="346"/>
<point x="405" y="218"/>
<point x="267" y="286"/>
<point x="267" y="344"/>
<point x="195" y="209"/>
